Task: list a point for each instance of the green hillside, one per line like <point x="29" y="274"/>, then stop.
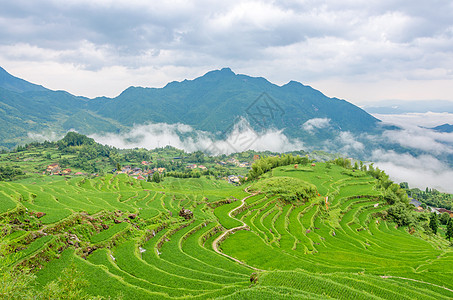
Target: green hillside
<point x="118" y="237"/>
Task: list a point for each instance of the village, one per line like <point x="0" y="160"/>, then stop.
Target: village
<point x="422" y="207"/>
<point x="147" y="171"/>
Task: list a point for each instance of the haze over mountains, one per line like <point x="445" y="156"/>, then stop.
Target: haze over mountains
<point x="224" y="112"/>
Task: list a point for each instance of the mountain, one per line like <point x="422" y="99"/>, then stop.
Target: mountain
<point x="29" y="108"/>
<point x="212" y="103"/>
<point x="444" y="128"/>
<point x="14" y="84"/>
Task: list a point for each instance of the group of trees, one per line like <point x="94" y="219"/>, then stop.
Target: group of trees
<point x="190" y="174"/>
<point x="444" y="219"/>
<point x="9" y="173"/>
<point x="265" y="164"/>
<point x="431" y="197"/>
<point x="155" y="178"/>
<point x="79" y="151"/>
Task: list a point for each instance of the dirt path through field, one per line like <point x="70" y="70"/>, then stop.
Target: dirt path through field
<point x="216" y="242"/>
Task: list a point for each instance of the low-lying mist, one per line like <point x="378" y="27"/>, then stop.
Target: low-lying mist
<point x="241" y="138"/>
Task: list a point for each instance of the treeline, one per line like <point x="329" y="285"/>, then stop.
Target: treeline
<point x="265" y="164"/>
<point x="191" y="174"/>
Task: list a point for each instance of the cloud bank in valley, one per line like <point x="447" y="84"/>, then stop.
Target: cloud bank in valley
<point x="241" y="138"/>
<point x="427" y="119"/>
<point x="422" y="171"/>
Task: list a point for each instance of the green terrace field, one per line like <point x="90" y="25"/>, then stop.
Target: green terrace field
<point x="127" y="239"/>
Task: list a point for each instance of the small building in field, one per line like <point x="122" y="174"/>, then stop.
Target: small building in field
<point x="442" y="210"/>
<point x="53" y="169"/>
<point x="66" y="172"/>
<point x="234" y="179"/>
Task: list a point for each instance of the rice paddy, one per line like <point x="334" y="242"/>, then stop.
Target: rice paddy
<point x="128" y="239"/>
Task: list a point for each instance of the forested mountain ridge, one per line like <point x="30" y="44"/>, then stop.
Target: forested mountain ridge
<point x="212" y="102"/>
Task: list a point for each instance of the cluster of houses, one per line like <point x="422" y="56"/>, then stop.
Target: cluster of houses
<point x="235" y="162"/>
<point x="418" y="207"/>
<point x="55" y="169"/>
<point x="234" y="179"/>
<point x="194" y="166"/>
<point x="138" y="173"/>
<point x="142" y="174"/>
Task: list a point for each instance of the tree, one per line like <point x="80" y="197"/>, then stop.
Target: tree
<point x="404" y="185"/>
<point x="434" y="222"/>
<point x="156" y="177"/>
<point x="449" y="233"/>
<point x="444" y="217"/>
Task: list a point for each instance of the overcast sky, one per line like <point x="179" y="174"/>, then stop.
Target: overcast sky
<point x="355" y="50"/>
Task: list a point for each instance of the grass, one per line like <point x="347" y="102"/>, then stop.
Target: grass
<point x="108" y="233"/>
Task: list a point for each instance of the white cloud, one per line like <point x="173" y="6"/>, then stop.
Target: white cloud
<point x="345" y="143"/>
<point x="410" y="135"/>
<point x="422" y="171"/>
<point x="428" y="119"/>
<point x="349" y="51"/>
<point x="44" y="136"/>
<point x="423" y="139"/>
<point x="241" y="138"/>
<point x="349" y="143"/>
<point x="320" y="123"/>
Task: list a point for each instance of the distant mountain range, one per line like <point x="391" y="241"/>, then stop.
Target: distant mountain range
<point x="212" y="103"/>
<point x="402" y="107"/>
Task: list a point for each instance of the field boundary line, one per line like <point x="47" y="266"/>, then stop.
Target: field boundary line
<point x="416" y="280"/>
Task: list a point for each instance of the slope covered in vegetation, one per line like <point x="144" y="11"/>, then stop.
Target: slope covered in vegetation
<point x="352" y="236"/>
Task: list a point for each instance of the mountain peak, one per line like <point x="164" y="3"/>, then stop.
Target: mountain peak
<point x="222" y="73"/>
<point x="294" y="83"/>
<point x="226" y="70"/>
<point x="444" y="128"/>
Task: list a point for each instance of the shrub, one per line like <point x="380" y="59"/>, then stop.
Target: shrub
<point x="287" y="188"/>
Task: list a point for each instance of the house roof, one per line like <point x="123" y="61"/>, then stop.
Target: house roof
<point x="416" y="203"/>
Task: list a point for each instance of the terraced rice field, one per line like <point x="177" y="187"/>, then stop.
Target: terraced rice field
<point x="128" y="240"/>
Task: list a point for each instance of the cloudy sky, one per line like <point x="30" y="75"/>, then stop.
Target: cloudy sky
<point x="356" y="50"/>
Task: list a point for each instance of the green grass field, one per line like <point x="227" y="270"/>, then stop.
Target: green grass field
<point x="127" y="239"/>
